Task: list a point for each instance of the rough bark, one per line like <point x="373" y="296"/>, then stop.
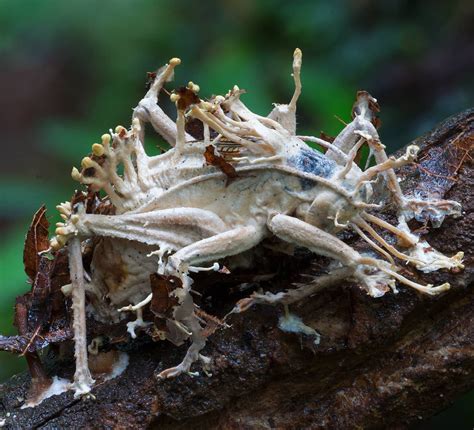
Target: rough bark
<point x="386" y="362"/>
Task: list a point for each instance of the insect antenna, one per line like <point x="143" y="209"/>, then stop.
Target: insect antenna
<point x="368" y="228"/>
<point x="373" y="244"/>
<point x="427" y="289"/>
<point x="402" y="236"/>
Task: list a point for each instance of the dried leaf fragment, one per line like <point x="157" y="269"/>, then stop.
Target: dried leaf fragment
<point x="187" y="97"/>
<point x="35" y="242"/>
<point x="39" y="310"/>
<point x="219" y="162"/>
<point x="163" y="301"/>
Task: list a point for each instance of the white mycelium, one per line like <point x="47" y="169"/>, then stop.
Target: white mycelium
<point x="174" y="211"/>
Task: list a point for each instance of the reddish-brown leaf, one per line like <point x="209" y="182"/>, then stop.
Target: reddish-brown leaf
<point x="36" y="241"/>
<point x="219" y="162"/>
<point x="187" y="98"/>
<point x="78" y="197"/>
<point x="21" y="313"/>
<point x="39" y="310"/>
<point x="195" y="128"/>
<point x="162" y="301"/>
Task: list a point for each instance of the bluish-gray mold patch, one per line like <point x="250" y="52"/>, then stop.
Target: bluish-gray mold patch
<point x="313" y="162"/>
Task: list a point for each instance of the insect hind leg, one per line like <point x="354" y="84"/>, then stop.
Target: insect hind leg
<point x="213" y="248"/>
<point x="373" y="274"/>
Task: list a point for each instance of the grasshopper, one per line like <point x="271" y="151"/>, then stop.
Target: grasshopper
<point x="245" y="178"/>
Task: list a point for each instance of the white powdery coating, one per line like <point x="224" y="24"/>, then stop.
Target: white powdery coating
<point x="119" y="366"/>
<point x="189" y="209"/>
<point x="58" y="386"/>
<point x="293" y="324"/>
<point x="434" y="260"/>
<point x="377" y="283"/>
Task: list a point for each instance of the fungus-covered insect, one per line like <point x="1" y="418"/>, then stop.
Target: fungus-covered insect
<point x="250" y="177"/>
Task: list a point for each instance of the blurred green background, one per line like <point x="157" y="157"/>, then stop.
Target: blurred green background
<point x="70" y="70"/>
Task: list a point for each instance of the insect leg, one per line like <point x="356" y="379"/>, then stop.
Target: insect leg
<point x="300" y="233"/>
<point x="213" y="248"/>
<point x="295" y="295"/>
<point x="376" y="283"/>
<point x="218" y="246"/>
<point x="82" y="377"/>
<point x="177" y="226"/>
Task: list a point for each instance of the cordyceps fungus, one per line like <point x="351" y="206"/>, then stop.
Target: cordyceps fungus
<point x="237" y="179"/>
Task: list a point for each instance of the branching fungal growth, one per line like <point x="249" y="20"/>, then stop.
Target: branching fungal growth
<point x="245" y="178"/>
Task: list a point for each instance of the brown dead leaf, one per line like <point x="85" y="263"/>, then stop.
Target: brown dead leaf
<point x="187" y="98"/>
<point x="219" y="162"/>
<point x="33" y="310"/>
<point x="20" y="320"/>
<point x="162" y="302"/>
<point x="195" y="128"/>
<point x="60" y="275"/>
<point x="78" y="197"/>
<point x="39" y="310"/>
<point x="36" y="241"/>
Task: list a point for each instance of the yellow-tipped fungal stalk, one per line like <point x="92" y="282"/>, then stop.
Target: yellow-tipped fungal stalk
<point x="75" y="174"/>
<point x="98" y="149"/>
<point x="87" y="162"/>
<point x="174" y="97"/>
<point x="174" y="62"/>
<point x="106" y="139"/>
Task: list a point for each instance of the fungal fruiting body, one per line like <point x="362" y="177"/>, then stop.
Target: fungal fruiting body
<point x="219" y="192"/>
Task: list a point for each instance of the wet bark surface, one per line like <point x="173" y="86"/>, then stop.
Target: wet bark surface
<point x="386" y="362"/>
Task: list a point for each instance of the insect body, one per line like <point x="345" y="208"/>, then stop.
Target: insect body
<point x="250" y="177"/>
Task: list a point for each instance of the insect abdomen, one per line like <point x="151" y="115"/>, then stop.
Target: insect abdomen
<point x="314" y="162"/>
